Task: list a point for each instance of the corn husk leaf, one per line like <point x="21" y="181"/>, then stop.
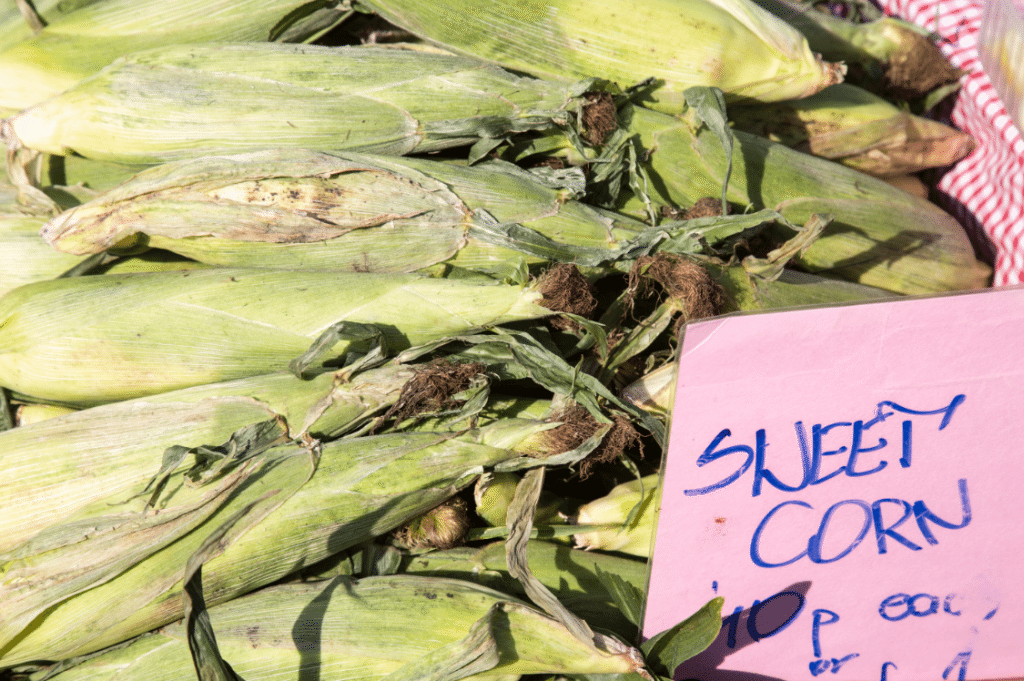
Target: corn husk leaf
<point x="858" y="129"/>
<point x="138" y="334"/>
<point x="922" y="250"/>
<point x="889" y="53"/>
<point x="575" y="577"/>
<point x="680" y="43"/>
<point x="525" y="356"/>
<point x="633" y="507"/>
<point x="106" y="451"/>
<point x="361" y="488"/>
<point x="336" y="629"/>
<point x="27" y="257"/>
<point x="667" y="650"/>
<point x="289" y="208"/>
<point x="245" y="97"/>
<point x="78" y="43"/>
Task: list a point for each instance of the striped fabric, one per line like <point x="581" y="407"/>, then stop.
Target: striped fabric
<point x="985" y="191"/>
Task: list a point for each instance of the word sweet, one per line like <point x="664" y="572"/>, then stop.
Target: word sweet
<point x="812" y="454"/>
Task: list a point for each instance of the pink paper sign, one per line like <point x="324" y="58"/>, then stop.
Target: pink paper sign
<point x="849" y="480"/>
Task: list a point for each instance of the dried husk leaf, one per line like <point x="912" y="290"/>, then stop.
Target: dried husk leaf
<point x="858" y="129"/>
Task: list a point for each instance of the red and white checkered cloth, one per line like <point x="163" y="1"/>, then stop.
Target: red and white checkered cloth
<point x="985" y="191"/>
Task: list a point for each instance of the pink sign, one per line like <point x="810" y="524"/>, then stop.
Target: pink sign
<point x="849" y="480"/>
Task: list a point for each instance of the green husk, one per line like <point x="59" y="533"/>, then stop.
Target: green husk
<point x="633" y="508"/>
<point x="888" y="53"/>
<point x="291" y="208"/>
<point x="730" y="44"/>
<point x="16" y="26"/>
<point x="365" y="630"/>
<point x="59" y="466"/>
<point x="573" y="575"/>
<point x="854" y="127"/>
<point x="27" y="258"/>
<point x="155" y="260"/>
<point x="746" y="291"/>
<point x="103" y="587"/>
<point x="245" y="97"/>
<point x="880" y="236"/>
<point x="90" y="340"/>
<point x="78" y="43"/>
<point x="27" y="414"/>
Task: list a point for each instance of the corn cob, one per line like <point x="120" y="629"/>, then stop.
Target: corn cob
<point x="572" y="575"/>
<point x="108" y="450"/>
<point x="357" y="489"/>
<point x="880" y="236"/>
<point x="631" y="537"/>
<point x="858" y="129"/>
<point x="243" y="97"/>
<point x="91" y="340"/>
<point x="730" y="44"/>
<point x="292" y="208"/>
<point x="363" y="630"/>
<point x="78" y="43"/>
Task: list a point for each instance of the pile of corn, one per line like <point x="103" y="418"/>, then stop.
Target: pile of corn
<point x="355" y="360"/>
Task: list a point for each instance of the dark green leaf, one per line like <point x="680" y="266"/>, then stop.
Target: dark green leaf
<point x="484" y="146"/>
<point x="628" y="599"/>
<point x="669" y="649"/>
<point x="342" y="331"/>
<point x="520" y="523"/>
<point x="474" y="654"/>
<point x="709" y="105"/>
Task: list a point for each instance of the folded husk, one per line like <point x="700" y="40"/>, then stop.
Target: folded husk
<point x="632" y="537"/>
<point x="573" y="575"/>
<point x="59" y="466"/>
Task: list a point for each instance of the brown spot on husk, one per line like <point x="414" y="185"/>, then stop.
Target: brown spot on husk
<point x="442" y="527"/>
<point x="578" y="425"/>
<point x="704" y="208"/>
<point x="599" y="117"/>
<point x="918" y="68"/>
<point x="565" y="289"/>
<point x="683" y="280"/>
<point x="707" y="206"/>
<point x="432" y="387"/>
<point x="549" y="162"/>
